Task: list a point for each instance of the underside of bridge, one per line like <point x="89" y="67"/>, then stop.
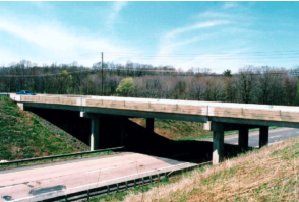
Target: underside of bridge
<point x="104" y="131"/>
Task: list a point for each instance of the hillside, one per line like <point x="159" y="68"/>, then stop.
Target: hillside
<point x="177" y="130"/>
<point x="268" y="174"/>
<point x="25" y="135"/>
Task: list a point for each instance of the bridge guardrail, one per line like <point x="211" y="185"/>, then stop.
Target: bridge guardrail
<point x="18" y="163"/>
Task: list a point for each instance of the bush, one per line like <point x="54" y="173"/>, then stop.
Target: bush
<point x="125" y="87"/>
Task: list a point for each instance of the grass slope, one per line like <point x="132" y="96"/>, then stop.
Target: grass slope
<point x="178" y="130"/>
<point x="25" y="135"/>
<point x="268" y="174"/>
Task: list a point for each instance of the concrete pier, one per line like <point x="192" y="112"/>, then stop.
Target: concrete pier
<point x="95" y="134"/>
<point x="263" y="136"/>
<point x="243" y="138"/>
<point x="150" y="125"/>
<point x="218" y="142"/>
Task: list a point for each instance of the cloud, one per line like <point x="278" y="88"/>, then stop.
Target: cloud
<point x="229" y="5"/>
<point x="196" y="26"/>
<point x="54" y="42"/>
<point x="178" y="38"/>
<point x="202" y="42"/>
<point x="117" y="7"/>
<point x="232" y="60"/>
<point x="168" y="48"/>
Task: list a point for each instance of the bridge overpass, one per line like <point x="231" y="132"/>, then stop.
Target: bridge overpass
<point x="218" y="117"/>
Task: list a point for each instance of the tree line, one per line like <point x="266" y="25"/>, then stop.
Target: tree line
<point x="256" y="85"/>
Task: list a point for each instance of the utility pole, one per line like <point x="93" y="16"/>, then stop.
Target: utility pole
<point x="102" y="73"/>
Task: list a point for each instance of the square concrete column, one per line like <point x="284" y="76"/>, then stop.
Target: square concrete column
<point x="263" y="136"/>
<point x="123" y="131"/>
<point x="95" y="134"/>
<point x="243" y="138"/>
<point x="150" y="125"/>
<point x="218" y="142"/>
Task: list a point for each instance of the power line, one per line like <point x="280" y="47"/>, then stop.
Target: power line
<point x="261" y="55"/>
<point x="286" y="52"/>
<point x="134" y="70"/>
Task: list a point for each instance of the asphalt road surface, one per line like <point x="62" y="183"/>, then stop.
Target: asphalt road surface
<point x="275" y="135"/>
<point x="34" y="182"/>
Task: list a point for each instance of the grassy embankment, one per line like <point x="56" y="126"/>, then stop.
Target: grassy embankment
<point x="178" y="130"/>
<point x="268" y="174"/>
<point x="25" y="135"/>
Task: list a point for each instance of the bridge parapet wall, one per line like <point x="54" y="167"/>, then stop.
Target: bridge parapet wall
<point x="148" y="106"/>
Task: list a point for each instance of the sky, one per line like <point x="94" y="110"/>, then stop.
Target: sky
<point x="198" y="35"/>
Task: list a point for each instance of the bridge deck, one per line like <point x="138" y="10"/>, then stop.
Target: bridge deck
<point x="170" y="106"/>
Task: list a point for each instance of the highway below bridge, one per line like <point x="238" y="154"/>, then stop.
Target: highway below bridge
<point x="88" y="175"/>
<point x="78" y="178"/>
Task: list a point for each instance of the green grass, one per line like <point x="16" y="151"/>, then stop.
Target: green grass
<point x="177" y="130"/>
<point x="25" y="135"/>
<point x="120" y="196"/>
<point x="203" y="135"/>
<point x="181" y="130"/>
<point x="288" y="153"/>
<point x="220" y="176"/>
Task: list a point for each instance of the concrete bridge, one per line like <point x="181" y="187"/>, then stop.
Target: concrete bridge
<point x="218" y="117"/>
